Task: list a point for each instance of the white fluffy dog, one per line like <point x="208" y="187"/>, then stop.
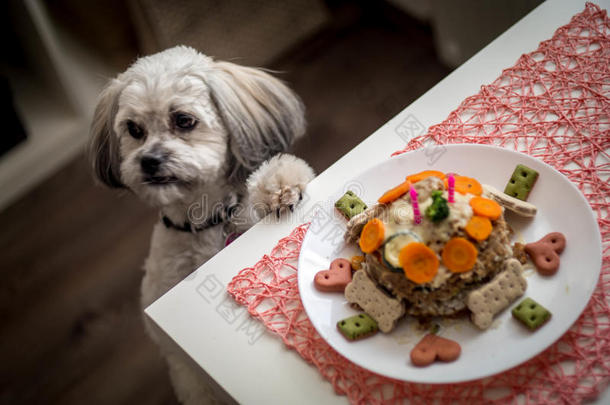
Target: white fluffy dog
<point x="202" y="141"/>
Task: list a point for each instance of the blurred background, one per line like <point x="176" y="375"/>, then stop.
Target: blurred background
<point x="71" y="252"/>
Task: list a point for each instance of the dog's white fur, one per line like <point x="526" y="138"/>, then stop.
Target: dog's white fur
<point x="244" y="120"/>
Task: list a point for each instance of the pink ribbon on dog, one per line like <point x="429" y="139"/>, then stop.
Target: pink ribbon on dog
<point x="231" y="238"/>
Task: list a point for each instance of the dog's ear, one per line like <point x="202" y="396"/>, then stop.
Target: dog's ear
<point x="104" y="144"/>
<point x="261" y="114"/>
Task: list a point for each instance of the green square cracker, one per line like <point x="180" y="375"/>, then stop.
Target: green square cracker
<point x="521" y="182"/>
<point x="531" y="314"/>
<point x="357" y="327"/>
<point x="350" y="205"/>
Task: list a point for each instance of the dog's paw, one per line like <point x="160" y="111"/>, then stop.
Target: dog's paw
<point x="278" y="184"/>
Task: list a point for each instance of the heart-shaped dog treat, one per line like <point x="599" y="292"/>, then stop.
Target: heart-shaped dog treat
<point x="556" y="240"/>
<point x="334" y="279"/>
<point x="433" y="347"/>
<point x="545" y="252"/>
<point x="544" y="257"/>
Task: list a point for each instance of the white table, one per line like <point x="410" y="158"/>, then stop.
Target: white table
<point x="254" y="366"/>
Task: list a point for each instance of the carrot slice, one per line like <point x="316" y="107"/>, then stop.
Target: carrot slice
<point x="478" y="227"/>
<point x="394" y="193"/>
<point x="466" y="185"/>
<point x="459" y="255"/>
<point x="414" y="178"/>
<point x="419" y="262"/>
<point x="485" y="207"/>
<point x="372" y="235"/>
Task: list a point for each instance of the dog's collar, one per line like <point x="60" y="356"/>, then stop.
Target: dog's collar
<point x="220" y="216"/>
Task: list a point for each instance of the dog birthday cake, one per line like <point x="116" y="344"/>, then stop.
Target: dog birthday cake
<point x="438" y="245"/>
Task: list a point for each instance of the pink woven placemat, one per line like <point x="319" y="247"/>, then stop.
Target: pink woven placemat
<point x="554" y="104"/>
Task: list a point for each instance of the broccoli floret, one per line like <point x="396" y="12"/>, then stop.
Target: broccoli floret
<point x="439" y="209"/>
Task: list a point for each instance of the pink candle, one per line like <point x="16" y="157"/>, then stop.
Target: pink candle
<point x="415" y="203"/>
<point x="451" y="183"/>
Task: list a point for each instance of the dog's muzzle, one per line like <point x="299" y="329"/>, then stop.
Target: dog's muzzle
<point x="151" y="168"/>
<point x="150" y="164"/>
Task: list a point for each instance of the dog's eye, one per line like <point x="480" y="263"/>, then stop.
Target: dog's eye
<point x="184" y="121"/>
<point x="135" y="130"/>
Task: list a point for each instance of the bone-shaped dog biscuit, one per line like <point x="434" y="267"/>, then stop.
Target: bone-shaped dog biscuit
<point x="499" y="293"/>
<point x="357" y="222"/>
<point x="516" y="205"/>
<point x="378" y="305"/>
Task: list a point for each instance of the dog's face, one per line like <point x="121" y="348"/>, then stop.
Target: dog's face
<point x="177" y="120"/>
<point x="169" y="140"/>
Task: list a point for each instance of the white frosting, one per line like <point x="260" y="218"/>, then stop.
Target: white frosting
<point x="399" y="218"/>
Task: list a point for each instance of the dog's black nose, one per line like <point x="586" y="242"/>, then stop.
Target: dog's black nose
<point x="150" y="164"/>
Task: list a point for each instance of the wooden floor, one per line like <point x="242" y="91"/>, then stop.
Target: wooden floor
<point x="71" y="252"/>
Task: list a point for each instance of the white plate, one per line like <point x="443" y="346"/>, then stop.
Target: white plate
<point x="561" y="207"/>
